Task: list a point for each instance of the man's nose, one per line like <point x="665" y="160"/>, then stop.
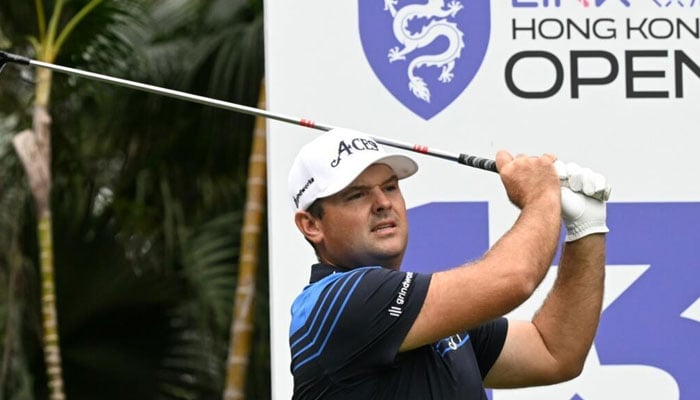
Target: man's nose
<point x="381" y="200"/>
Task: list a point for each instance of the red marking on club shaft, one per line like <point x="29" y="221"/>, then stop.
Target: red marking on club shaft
<point x="420" y="148"/>
<point x="307" y="122"/>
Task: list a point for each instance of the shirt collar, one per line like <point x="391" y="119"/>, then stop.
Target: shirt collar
<point x="320" y="271"/>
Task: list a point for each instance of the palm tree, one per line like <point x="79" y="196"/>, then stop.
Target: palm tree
<point x="230" y="55"/>
<point x="34" y="150"/>
<point x="243" y="315"/>
<point x="149" y="192"/>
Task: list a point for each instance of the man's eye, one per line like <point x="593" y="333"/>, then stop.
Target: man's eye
<point x="353" y="196"/>
<point x="390" y="188"/>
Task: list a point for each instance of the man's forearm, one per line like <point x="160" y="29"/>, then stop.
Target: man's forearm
<point x="569" y="317"/>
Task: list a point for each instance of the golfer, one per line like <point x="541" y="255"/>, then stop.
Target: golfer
<point x="365" y="329"/>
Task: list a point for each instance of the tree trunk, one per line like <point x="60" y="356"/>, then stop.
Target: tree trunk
<point x="52" y="350"/>
<point x="33" y="148"/>
<point x="243" y="313"/>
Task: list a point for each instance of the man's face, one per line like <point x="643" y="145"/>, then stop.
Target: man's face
<point x="365" y="224"/>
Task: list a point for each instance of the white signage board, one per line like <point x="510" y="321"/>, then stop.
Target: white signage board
<point x="610" y="84"/>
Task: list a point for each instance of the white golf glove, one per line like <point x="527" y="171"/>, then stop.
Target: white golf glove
<point x="583" y="196"/>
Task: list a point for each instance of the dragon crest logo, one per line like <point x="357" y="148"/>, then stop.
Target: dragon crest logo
<point x="425" y="52"/>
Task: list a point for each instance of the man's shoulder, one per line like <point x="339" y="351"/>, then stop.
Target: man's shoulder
<point x="336" y="280"/>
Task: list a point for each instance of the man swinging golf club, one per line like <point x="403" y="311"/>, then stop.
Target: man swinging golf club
<point x="365" y="329"/>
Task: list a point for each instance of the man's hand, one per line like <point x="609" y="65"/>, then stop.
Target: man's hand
<point x="582" y="211"/>
<point x="528" y="180"/>
<point x="583" y="180"/>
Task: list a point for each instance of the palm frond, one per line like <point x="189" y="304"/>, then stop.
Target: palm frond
<point x="194" y="366"/>
<point x="209" y="258"/>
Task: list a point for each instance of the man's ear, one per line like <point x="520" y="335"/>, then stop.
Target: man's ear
<point x="309" y="226"/>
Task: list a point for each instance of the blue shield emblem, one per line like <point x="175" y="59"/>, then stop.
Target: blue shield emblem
<point x="426" y="52"/>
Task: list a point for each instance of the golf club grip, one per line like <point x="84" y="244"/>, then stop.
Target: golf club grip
<point x="477" y="162"/>
<point x="490" y="165"/>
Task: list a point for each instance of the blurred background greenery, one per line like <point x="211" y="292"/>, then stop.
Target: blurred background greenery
<point x="147" y="201"/>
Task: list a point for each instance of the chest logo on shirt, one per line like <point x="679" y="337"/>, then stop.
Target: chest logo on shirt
<point x="451" y="343"/>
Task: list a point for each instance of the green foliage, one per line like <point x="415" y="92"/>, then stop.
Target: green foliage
<point x="146" y="201"/>
<point x="18" y="292"/>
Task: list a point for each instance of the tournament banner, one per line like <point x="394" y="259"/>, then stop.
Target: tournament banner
<point x="613" y="85"/>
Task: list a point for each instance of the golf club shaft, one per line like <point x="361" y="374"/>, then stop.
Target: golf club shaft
<point x="176" y="94"/>
<point x="472" y="161"/>
<point x="461" y="158"/>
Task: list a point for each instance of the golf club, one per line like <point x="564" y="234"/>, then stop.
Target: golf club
<point x="461" y="158"/>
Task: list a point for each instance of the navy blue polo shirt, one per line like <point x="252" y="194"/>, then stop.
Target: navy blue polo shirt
<point x="346" y="330"/>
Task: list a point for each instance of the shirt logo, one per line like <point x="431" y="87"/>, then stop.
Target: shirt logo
<point x="397" y="308"/>
<point x="451" y="343"/>
<point x="395" y="311"/>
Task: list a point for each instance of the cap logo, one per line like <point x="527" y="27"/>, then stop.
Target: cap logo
<point x="359" y="144"/>
<point x="301" y="191"/>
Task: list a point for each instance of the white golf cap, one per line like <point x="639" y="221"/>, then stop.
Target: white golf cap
<point x="329" y="163"/>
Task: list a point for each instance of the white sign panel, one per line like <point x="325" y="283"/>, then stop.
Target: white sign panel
<point x="610" y="84"/>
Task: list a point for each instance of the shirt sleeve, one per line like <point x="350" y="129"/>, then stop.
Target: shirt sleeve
<point x="488" y="340"/>
<point x="379" y="313"/>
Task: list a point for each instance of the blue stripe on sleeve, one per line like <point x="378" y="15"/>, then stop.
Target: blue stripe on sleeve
<point x="308" y="303"/>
